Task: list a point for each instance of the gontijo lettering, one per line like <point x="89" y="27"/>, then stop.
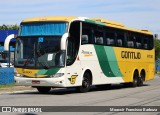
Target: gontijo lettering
<point x="130" y="55"/>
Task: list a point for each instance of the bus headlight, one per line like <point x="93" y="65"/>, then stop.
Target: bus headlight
<point x="17" y="74"/>
<point x="57" y="75"/>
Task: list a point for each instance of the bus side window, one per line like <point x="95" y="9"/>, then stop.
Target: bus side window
<point x="145" y="45"/>
<point x="84" y="39"/>
<point x="150" y="41"/>
<point x="130" y="44"/>
<point x="138" y="45"/>
<point x="121" y="38"/>
<point x="130" y="40"/>
<point x="110" y="39"/>
<point x="119" y="42"/>
<point x="111" y="42"/>
<point x="99" y="40"/>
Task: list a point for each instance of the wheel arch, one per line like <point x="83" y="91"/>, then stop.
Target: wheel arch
<point x="90" y="72"/>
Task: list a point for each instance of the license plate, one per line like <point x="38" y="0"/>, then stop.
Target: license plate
<point x="35" y="82"/>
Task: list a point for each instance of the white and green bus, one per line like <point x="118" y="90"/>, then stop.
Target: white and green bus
<point x="58" y="52"/>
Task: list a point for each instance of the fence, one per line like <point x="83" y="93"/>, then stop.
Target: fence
<point x="6" y="76"/>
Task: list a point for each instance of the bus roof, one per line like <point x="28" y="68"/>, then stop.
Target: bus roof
<point x="50" y="18"/>
<point x="99" y="21"/>
<point x="119" y="25"/>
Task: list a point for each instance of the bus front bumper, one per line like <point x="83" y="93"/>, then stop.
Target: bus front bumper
<point x="51" y="82"/>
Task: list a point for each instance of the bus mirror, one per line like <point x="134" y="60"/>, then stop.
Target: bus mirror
<point x="63" y="41"/>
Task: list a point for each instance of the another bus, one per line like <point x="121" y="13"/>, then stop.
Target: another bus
<point x="63" y="52"/>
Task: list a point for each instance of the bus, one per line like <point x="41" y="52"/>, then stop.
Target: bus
<point x="63" y="52"/>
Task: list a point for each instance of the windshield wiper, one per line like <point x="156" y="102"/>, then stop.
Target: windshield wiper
<point x="29" y="58"/>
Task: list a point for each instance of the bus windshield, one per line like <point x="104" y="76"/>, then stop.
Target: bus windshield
<point x="38" y="45"/>
<point x="39" y="52"/>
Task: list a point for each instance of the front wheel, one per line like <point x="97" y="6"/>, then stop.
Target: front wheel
<point x="86" y="83"/>
<point x="43" y="90"/>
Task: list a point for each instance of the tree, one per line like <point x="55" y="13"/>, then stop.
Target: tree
<point x="9" y="27"/>
<point x="157" y="48"/>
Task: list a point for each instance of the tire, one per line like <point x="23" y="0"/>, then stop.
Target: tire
<point x="141" y="78"/>
<point x="135" y="81"/>
<point x="43" y="90"/>
<point x="140" y="81"/>
<point x="86" y="83"/>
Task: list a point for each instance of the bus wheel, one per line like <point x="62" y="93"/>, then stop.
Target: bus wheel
<point x="135" y="79"/>
<point x="43" y="90"/>
<point x="86" y="83"/>
<point x="141" y="78"/>
<point x="140" y="81"/>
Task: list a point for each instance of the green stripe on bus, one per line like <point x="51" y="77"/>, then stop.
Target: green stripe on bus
<point x="108" y="61"/>
<point x="112" y="61"/>
<point x="52" y="71"/>
<point x="42" y="72"/>
<point x="94" y="22"/>
<point x="48" y="72"/>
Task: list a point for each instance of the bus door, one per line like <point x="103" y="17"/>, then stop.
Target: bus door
<point x="73" y="68"/>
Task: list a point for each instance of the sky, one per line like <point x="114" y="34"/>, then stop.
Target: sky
<point x="139" y="14"/>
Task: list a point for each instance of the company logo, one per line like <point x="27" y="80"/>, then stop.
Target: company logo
<point x="73" y="79"/>
<point x="87" y="53"/>
<point x="130" y="55"/>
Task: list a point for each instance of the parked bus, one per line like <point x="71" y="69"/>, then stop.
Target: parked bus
<point x="55" y="52"/>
